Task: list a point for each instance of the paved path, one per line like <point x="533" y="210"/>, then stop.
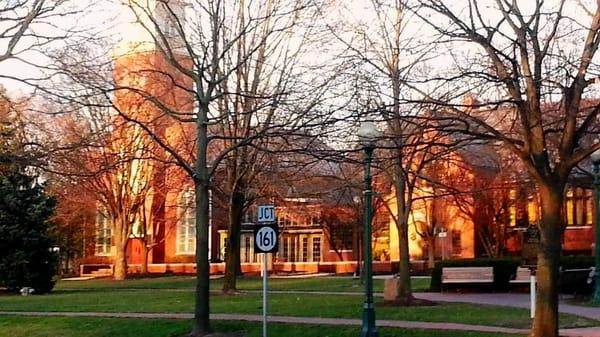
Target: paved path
<point x="580" y="332"/>
<point x="509" y="300"/>
<point x="515" y="300"/>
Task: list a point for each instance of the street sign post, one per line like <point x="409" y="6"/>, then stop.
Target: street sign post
<point x="266" y="240"/>
<point x="529" y="252"/>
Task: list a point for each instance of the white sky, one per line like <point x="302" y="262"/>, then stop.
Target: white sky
<point x="107" y="17"/>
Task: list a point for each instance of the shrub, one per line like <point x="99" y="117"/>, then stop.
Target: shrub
<point x="26" y="259"/>
<point x="576" y="261"/>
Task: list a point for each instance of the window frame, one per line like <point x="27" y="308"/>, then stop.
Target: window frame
<point x="186" y="224"/>
<point x="103" y="227"/>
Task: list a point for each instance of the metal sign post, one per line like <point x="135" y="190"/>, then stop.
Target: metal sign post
<point x="265" y="280"/>
<point x="265" y="241"/>
<point x="529" y="252"/>
<point x="532" y="291"/>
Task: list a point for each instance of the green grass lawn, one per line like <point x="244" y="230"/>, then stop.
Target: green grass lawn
<point x="113" y="327"/>
<point x="345" y="284"/>
<point x="587" y="302"/>
<point x="337" y="306"/>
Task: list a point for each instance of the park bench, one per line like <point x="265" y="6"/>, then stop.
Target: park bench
<point x="466" y="275"/>
<point x="590" y="279"/>
<point x="576" y="281"/>
<point x="523" y="275"/>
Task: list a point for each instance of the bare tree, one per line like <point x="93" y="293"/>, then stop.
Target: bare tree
<point x="532" y="65"/>
<point x="199" y="66"/>
<point x="108" y="159"/>
<point x="380" y="50"/>
<point x="263" y="63"/>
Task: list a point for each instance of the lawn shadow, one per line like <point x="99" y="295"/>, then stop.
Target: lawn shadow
<point x="414" y="302"/>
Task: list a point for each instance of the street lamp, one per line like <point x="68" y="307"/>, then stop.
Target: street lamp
<point x="367" y="136"/>
<point x="596" y="161"/>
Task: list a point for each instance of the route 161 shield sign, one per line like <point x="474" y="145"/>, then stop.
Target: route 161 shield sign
<point x="266" y="238"/>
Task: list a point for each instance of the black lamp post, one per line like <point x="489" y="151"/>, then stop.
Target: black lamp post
<point x="368" y="135"/>
<point x="596" y="161"/>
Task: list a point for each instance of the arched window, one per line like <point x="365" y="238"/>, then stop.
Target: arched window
<point x="186" y="224"/>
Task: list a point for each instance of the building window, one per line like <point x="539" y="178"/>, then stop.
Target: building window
<point x="103" y="234"/>
<point x="512" y="208"/>
<point x="532" y="210"/>
<point x="186" y="224"/>
<point x="456" y="243"/>
<point x="341" y="237"/>
<point x="518" y="208"/>
<point x="305" y="249"/>
<point x="570" y="208"/>
<point x="285" y="253"/>
<point x="316" y="249"/>
<point x="247" y="251"/>
<point x="578" y="207"/>
<point x="589" y="208"/>
<point x="292" y="257"/>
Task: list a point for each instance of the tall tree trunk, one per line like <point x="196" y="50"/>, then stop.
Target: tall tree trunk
<point x="545" y="323"/>
<point x="121" y="238"/>
<point x="201" y="185"/>
<point x="404" y="287"/>
<point x="232" y="253"/>
<point x="430" y="252"/>
<point x="145" y="252"/>
<point x="120" y="263"/>
<point x="357" y="244"/>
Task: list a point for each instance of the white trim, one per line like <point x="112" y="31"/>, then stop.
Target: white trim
<point x="579" y="227"/>
<point x="184" y="254"/>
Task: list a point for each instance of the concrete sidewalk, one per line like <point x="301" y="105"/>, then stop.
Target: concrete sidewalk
<point x="508" y="300"/>
<point x="514" y="300"/>
<point x="580" y="332"/>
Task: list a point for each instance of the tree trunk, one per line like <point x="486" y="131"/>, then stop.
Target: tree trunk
<point x="145" y="252"/>
<point x="545" y="323"/>
<point x="232" y="254"/>
<point x="202" y="307"/>
<point x="120" y="263"/>
<point x="430" y="252"/>
<point x="201" y="325"/>
<point x="404" y="287"/>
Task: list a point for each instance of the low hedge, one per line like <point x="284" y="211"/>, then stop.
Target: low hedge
<point x="577" y="261"/>
<point x="504" y="268"/>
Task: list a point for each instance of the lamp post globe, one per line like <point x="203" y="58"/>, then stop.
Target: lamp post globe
<point x="367" y="136"/>
<point x="595" y="156"/>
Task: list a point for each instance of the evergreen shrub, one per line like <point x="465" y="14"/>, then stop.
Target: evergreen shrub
<point x="26" y="249"/>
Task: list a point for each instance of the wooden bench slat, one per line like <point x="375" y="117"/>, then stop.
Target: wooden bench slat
<point x="523" y="276"/>
<point x="467" y="274"/>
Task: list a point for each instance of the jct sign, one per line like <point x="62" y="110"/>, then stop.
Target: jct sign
<point x="265" y="214"/>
